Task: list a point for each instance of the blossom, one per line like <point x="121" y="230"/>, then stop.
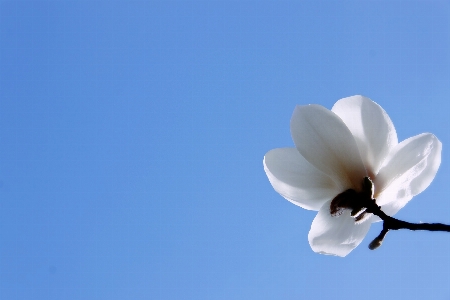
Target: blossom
<point x="335" y="151"/>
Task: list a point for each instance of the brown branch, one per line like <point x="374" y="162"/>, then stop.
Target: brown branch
<point x="360" y="203"/>
<point x="390" y="223"/>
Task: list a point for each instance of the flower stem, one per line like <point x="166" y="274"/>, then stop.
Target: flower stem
<point x="390" y="223"/>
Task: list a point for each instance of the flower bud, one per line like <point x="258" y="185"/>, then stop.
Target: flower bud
<point x="375" y="243"/>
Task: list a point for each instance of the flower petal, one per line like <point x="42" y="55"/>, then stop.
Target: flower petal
<point x="297" y="180"/>
<point x="372" y="128"/>
<point x="337" y="235"/>
<point x="408" y="170"/>
<point x="325" y="141"/>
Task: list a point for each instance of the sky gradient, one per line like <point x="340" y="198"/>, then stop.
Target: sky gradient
<point x="132" y="135"/>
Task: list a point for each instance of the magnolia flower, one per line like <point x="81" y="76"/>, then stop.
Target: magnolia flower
<point x="335" y="151"/>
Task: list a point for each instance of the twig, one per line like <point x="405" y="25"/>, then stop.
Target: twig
<point x="390" y="223"/>
<point x="362" y="202"/>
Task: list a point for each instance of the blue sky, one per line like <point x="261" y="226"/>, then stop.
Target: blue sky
<point x="132" y="135"/>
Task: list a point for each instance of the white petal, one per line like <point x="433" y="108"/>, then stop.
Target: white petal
<point x="297" y="180"/>
<point x="408" y="170"/>
<point x="325" y="141"/>
<point x="372" y="128"/>
<point x="337" y="235"/>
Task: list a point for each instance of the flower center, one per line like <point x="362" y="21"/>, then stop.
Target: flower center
<point x="353" y="200"/>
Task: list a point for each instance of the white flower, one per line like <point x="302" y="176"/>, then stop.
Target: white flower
<point x="335" y="151"/>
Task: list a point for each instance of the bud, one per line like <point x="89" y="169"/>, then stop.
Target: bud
<point x="375" y="243"/>
<point x="378" y="240"/>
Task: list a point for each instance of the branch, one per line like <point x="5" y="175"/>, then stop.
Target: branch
<point x="390" y="223"/>
<point x="361" y="202"/>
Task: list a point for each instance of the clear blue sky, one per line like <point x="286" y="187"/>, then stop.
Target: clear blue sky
<point x="132" y="136"/>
